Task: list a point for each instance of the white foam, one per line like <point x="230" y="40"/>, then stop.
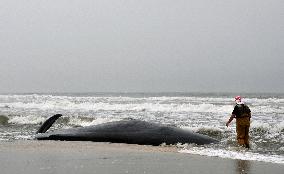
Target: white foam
<point x="242" y="154"/>
<point x="260" y="124"/>
<point x="271" y="128"/>
<point x="154" y="104"/>
<point x="152" y="107"/>
<point x="30" y="119"/>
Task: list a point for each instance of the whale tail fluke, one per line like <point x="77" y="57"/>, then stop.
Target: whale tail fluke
<point x="48" y="123"/>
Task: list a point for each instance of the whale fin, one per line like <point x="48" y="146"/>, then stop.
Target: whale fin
<point x="48" y="123"/>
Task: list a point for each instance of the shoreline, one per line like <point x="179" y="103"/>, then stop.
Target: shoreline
<point x="31" y="156"/>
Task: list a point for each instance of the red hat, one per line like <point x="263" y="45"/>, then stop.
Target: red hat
<point x="238" y="100"/>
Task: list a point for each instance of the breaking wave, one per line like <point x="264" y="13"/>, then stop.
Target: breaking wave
<point x="153" y="104"/>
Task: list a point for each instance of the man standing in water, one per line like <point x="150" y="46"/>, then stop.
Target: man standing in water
<point x="242" y="114"/>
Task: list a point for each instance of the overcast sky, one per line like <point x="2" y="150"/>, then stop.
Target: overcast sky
<point x="141" y="46"/>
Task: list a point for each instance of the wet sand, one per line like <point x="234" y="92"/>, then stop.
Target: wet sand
<point x="52" y="157"/>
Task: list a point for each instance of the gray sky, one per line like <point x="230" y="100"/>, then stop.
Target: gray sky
<point x="142" y="46"/>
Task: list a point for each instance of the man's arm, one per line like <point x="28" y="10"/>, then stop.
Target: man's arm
<point x="249" y="112"/>
<point x="231" y="118"/>
<point x="249" y="115"/>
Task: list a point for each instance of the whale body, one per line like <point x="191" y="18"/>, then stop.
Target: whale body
<point x="124" y="131"/>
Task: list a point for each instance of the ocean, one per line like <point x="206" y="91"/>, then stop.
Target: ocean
<point x="206" y="113"/>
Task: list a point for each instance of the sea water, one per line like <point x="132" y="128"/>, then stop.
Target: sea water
<point x="22" y="114"/>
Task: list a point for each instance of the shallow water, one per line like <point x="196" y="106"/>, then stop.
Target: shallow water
<point x="22" y="114"/>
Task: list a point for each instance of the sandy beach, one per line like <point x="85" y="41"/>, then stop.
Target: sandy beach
<point x="30" y="157"/>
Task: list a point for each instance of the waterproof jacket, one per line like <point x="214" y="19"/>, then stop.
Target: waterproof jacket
<point x="241" y="110"/>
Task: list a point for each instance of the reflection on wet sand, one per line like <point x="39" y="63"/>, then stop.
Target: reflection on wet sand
<point x="242" y="167"/>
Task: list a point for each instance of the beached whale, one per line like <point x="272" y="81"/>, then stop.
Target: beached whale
<point x="125" y="131"/>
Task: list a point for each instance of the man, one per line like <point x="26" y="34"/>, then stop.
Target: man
<point x="242" y="114"/>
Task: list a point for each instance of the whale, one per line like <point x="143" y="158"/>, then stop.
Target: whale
<point x="124" y="131"/>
